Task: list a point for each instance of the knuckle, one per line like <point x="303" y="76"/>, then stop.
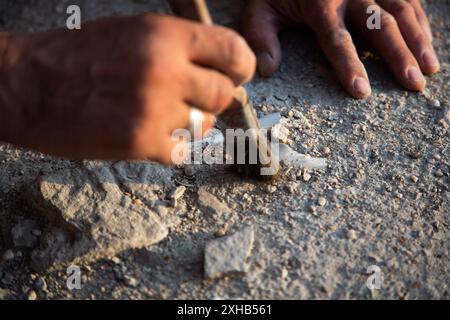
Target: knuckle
<point x="420" y="38"/>
<point x="222" y="94"/>
<point x="402" y="55"/>
<point x="402" y="7"/>
<point x="158" y="71"/>
<point x="237" y="52"/>
<point x="388" y="20"/>
<point x="341" y="38"/>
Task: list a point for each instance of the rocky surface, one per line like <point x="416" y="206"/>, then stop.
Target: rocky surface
<point x="98" y="211"/>
<point x="381" y="198"/>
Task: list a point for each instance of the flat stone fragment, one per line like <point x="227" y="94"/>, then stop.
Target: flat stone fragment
<point x="211" y="203"/>
<point x="91" y="213"/>
<point x="227" y="255"/>
<point x="292" y="157"/>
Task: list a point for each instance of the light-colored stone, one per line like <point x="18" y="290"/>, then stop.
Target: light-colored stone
<point x="306" y="176"/>
<point x="177" y="193"/>
<point x="222" y="231"/>
<point x="291" y="157"/>
<point x="211" y="203"/>
<point x="280" y="133"/>
<point x="131" y="281"/>
<point x="322" y="201"/>
<point x="436" y="103"/>
<point x="227" y="255"/>
<point x="32" y="295"/>
<point x="90" y="214"/>
<point x="351" y="234"/>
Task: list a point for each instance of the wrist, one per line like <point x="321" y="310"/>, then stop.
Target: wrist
<point x="4" y="40"/>
<point x="7" y="121"/>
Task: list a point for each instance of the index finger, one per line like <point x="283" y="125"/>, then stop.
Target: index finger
<point x="224" y="50"/>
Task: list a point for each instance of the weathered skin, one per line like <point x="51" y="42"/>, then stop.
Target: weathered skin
<point x="404" y="40"/>
<point x="117" y="88"/>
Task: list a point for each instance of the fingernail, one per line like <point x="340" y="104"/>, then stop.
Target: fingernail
<point x="429" y="58"/>
<point x="362" y="86"/>
<point x="415" y="75"/>
<point x="265" y="64"/>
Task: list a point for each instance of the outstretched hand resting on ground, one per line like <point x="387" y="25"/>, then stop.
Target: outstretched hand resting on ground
<point x="404" y="40"/>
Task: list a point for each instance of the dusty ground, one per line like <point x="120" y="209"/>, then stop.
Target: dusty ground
<point x="387" y="181"/>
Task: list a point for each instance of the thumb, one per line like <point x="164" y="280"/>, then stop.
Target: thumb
<point x="260" y="28"/>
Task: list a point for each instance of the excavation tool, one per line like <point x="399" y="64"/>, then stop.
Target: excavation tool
<point x="250" y="151"/>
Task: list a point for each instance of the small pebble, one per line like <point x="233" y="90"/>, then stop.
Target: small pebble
<point x="40" y="284"/>
<point x="222" y="231"/>
<point x="116" y="260"/>
<point x="326" y="150"/>
<point x="32" y="295"/>
<point x="312" y="209"/>
<point x="8" y="255"/>
<point x="292" y="188"/>
<point x="438" y="174"/>
<point x="321" y="201"/>
<point x="189" y="170"/>
<point x="177" y="193"/>
<point x="306" y="176"/>
<point x="351" y="234"/>
<point x="436" y="103"/>
<point x="137" y="202"/>
<point x="132" y="282"/>
<point x="271" y="189"/>
<point x="333" y="228"/>
<point x="284" y="273"/>
<point x="414" y="179"/>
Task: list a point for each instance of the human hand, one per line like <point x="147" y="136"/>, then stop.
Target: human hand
<point x="119" y="87"/>
<point x="404" y="40"/>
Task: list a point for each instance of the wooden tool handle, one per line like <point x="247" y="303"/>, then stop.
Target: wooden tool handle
<point x="196" y="10"/>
